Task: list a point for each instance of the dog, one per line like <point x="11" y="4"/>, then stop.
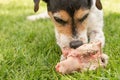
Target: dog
<point x="76" y="21"/>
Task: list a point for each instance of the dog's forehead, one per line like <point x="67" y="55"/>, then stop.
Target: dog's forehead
<point x="68" y="5"/>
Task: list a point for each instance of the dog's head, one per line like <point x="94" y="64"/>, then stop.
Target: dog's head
<point x="70" y="19"/>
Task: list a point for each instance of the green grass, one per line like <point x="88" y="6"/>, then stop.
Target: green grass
<point x="28" y="50"/>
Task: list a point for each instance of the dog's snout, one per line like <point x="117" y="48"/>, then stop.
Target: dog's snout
<point x="75" y="44"/>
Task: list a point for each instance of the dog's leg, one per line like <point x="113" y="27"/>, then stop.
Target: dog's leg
<point x="95" y="26"/>
<point x="97" y="35"/>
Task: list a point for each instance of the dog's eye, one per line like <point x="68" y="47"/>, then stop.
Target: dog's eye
<point x="60" y="20"/>
<point x="83" y="18"/>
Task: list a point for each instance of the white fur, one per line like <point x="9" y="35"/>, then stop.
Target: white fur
<point x="95" y="25"/>
<point x="62" y="40"/>
<point x="82" y="36"/>
<point x="57" y="15"/>
<point x="38" y="16"/>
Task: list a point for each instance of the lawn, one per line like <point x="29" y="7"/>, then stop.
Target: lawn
<point x="28" y="50"/>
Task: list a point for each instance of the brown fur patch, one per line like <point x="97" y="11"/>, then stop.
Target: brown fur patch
<point x="63" y="15"/>
<point x="82" y="26"/>
<point x="64" y="29"/>
<point x="78" y="15"/>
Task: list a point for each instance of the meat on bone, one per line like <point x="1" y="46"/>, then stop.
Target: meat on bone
<point x="86" y="57"/>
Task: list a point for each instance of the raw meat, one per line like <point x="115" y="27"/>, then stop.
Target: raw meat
<point x="86" y="57"/>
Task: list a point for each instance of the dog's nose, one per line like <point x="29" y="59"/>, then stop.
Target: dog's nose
<point x="75" y="44"/>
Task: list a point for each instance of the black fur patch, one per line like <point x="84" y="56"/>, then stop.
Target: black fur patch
<point x="68" y="5"/>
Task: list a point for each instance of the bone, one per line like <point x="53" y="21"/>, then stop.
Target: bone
<point x="86" y="57"/>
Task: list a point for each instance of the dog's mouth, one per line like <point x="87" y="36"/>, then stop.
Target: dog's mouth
<point x="72" y="45"/>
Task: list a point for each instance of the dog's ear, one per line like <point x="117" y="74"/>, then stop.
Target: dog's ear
<point x="98" y="4"/>
<point x="36" y="5"/>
